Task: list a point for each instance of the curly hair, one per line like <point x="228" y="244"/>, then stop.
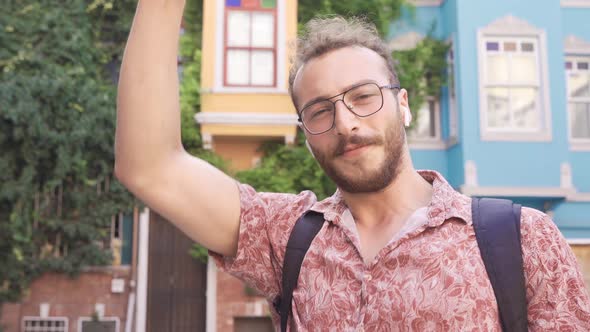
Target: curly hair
<point x="325" y="34"/>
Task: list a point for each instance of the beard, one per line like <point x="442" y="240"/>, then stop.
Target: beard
<point x="361" y="180"/>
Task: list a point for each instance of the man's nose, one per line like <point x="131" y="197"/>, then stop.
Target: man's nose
<point x="345" y="121"/>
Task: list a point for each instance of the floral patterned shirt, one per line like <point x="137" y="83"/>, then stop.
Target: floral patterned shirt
<point x="429" y="277"/>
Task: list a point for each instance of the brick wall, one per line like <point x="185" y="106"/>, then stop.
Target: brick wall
<point x="72" y="298"/>
<point x="233" y="300"/>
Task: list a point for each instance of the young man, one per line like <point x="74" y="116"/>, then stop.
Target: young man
<point x="397" y="250"/>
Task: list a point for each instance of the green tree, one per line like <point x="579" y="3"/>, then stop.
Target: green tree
<point x="57" y="121"/>
<point x="380" y="12"/>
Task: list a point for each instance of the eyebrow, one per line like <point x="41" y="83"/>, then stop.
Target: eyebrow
<point x="348" y="87"/>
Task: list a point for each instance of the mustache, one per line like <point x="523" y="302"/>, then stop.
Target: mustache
<point x="356" y="140"/>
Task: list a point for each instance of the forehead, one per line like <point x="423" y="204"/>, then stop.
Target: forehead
<point x="330" y="73"/>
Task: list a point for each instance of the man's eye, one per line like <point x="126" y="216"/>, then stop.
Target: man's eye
<point x="320" y="112"/>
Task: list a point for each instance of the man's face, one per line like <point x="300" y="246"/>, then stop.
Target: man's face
<point x="360" y="154"/>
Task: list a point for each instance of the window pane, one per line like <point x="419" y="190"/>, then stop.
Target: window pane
<point x="263" y="30"/>
<point x="582" y="65"/>
<point x="269" y="3"/>
<point x="568" y="65"/>
<point x="250" y="3"/>
<point x="578" y="85"/>
<point x="498" y="112"/>
<point x="509" y="46"/>
<point x="426" y="125"/>
<point x="527" y="47"/>
<point x="232" y="3"/>
<point x="492" y="46"/>
<point x="497" y="68"/>
<point x="523" y="69"/>
<point x="238" y="28"/>
<point x="262" y="68"/>
<point x="580" y="120"/>
<point x="238" y="67"/>
<point x="524" y="107"/>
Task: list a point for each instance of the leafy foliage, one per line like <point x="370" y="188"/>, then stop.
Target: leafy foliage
<point x="57" y="123"/>
<point x="421" y="71"/>
<point x="380" y="12"/>
<point x="289" y="169"/>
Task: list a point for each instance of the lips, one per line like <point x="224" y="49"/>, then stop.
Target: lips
<point x="350" y="144"/>
<point x="350" y="148"/>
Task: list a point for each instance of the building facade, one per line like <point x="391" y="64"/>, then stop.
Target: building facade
<point x="514" y="119"/>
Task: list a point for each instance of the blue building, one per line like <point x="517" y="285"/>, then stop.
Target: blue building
<point x="514" y="120"/>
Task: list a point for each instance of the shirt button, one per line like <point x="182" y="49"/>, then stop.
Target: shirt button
<point x="368" y="277"/>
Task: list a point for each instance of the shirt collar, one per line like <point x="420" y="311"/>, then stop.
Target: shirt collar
<point x="446" y="203"/>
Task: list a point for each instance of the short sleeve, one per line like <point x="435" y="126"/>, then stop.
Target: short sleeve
<point x="266" y="220"/>
<point x="556" y="294"/>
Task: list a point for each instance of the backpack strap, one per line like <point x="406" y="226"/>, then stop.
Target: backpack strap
<point x="304" y="231"/>
<point x="497" y="229"/>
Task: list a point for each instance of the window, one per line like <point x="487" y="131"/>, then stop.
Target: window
<point x="512" y="85"/>
<point x="427" y="126"/>
<point x="104" y="324"/>
<point x="121" y="239"/>
<point x="514" y="99"/>
<point x="578" y="97"/>
<point x="45" y="324"/>
<point x="250" y="43"/>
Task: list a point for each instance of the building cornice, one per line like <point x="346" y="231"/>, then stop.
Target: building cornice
<point x="549" y="192"/>
<point x="426" y="3"/>
<point x="246" y="118"/>
<point x="510" y="25"/>
<point x="576" y="45"/>
<point x="575" y="3"/>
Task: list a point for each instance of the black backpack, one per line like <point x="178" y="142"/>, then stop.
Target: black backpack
<point x="497" y="228"/>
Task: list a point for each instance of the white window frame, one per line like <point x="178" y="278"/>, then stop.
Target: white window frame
<point x="575" y="48"/>
<point x="510" y="27"/>
<point x="452" y="93"/>
<point x="281" y="44"/>
<point x="117" y="321"/>
<point x="46" y="319"/>
<point x="428" y="143"/>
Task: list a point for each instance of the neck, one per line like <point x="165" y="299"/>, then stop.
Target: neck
<point x="396" y="202"/>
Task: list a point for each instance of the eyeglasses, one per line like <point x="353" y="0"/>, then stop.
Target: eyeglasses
<point x="363" y="100"/>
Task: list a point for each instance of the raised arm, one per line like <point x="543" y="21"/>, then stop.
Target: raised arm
<point x="149" y="158"/>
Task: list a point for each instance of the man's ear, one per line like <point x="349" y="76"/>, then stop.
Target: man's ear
<point x="404" y="107"/>
<point x="309" y="148"/>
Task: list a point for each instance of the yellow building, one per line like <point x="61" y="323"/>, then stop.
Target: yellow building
<point x="244" y="77"/>
<point x="244" y="102"/>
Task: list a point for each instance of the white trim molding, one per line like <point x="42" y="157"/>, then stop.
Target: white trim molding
<point x="246" y="118"/>
<point x="575" y="45"/>
<point x="555" y="192"/>
<point x="510" y="27"/>
<point x="566" y="176"/>
<point x="579" y="241"/>
<point x="575" y="3"/>
<point x="432" y="144"/>
<point x="211" y="307"/>
<point x="426" y="3"/>
<point x="470" y="174"/>
<point x="579" y="197"/>
<point x="579" y="146"/>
